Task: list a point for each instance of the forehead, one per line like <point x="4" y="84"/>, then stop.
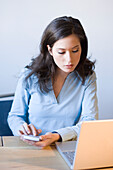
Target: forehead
<point x="67" y="42"/>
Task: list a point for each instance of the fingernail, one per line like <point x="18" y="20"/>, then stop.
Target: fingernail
<point x="40" y="137"/>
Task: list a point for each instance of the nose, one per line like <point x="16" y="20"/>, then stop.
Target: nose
<point x="68" y="57"/>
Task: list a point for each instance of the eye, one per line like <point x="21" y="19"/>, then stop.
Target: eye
<point x="75" y="51"/>
<point x="61" y="52"/>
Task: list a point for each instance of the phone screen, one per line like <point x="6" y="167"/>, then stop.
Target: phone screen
<point x="31" y="137"/>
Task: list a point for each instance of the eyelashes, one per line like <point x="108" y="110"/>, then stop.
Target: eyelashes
<point x="61" y="52"/>
<point x="74" y="51"/>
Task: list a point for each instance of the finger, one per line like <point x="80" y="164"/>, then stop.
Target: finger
<point x="27" y="141"/>
<point x="27" y="128"/>
<point x="33" y="130"/>
<point x="22" y="130"/>
<point x="39" y="131"/>
<point x="20" y="133"/>
<point x="43" y="143"/>
<point x="33" y="143"/>
<point x="40" y="144"/>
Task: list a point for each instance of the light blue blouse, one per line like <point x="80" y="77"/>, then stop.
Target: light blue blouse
<point x="64" y="114"/>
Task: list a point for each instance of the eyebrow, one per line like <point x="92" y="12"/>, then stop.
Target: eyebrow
<point x="75" y="46"/>
<point x="71" y="48"/>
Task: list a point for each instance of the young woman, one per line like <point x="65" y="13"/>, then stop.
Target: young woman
<point x="57" y="90"/>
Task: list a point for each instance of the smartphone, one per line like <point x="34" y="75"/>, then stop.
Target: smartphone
<point x="31" y="137"/>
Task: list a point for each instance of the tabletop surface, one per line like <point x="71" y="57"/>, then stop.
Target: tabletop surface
<point x="16" y="154"/>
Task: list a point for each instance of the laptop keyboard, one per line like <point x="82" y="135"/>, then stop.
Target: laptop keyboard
<point x="70" y="156"/>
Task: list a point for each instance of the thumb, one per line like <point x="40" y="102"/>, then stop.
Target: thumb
<point x="46" y="136"/>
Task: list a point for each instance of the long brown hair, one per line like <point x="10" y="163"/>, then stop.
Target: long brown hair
<point x="43" y="65"/>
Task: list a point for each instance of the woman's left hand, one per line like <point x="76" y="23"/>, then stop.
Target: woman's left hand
<point x="45" y="140"/>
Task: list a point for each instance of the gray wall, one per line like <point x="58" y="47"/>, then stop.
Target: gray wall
<point x="22" y="23"/>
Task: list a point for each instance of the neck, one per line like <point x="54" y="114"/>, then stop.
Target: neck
<point x="61" y="74"/>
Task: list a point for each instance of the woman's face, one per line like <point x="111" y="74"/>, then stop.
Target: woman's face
<point x="66" y="53"/>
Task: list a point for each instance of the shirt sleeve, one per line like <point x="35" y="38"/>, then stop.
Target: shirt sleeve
<point x="19" y="110"/>
<point x="89" y="109"/>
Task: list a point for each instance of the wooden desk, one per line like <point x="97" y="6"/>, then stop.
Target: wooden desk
<point x="15" y="154"/>
<point x="14" y="141"/>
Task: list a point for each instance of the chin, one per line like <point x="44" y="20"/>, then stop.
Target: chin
<point x="69" y="71"/>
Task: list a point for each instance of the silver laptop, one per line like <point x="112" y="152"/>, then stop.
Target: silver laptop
<point x="94" y="147"/>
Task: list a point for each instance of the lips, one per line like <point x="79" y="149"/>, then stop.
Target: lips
<point x="69" y="65"/>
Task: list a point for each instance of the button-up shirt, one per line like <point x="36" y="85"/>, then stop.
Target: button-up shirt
<point x="75" y="103"/>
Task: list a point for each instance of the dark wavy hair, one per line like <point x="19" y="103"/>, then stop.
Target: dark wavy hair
<point x="44" y="67"/>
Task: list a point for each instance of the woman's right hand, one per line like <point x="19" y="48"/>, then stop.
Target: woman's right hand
<point x="29" y="129"/>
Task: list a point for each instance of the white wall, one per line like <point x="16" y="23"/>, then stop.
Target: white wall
<point x="22" y="23"/>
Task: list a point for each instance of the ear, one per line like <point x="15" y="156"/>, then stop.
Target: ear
<point x="49" y="49"/>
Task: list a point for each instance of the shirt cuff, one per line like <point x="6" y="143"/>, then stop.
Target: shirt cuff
<point x="67" y="133"/>
<point x="60" y="139"/>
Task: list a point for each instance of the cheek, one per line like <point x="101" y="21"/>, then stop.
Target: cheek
<point x="57" y="59"/>
<point x="77" y="59"/>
